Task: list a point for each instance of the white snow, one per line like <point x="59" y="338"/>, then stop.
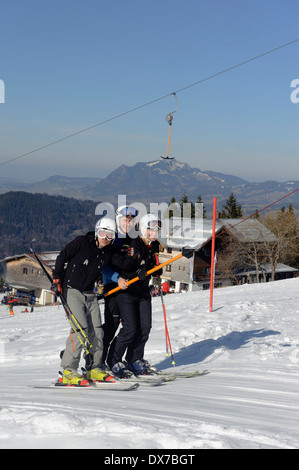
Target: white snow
<point x="153" y="163"/>
<point x="250" y="399"/>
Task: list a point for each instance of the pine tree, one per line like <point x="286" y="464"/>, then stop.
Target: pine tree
<point x="174" y="209"/>
<point x="189" y="210"/>
<point x="204" y="211"/>
<point x="231" y="209"/>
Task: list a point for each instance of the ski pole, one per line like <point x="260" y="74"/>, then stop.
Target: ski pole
<point x="75" y="325"/>
<point x="167" y="337"/>
<point x="135" y="279"/>
<point x="164" y="314"/>
<point x="166" y="329"/>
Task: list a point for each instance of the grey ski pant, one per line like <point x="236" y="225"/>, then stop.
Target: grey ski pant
<point x="84" y="306"/>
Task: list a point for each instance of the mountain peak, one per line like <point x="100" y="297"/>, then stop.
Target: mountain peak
<point x="159" y="180"/>
<point x="170" y="165"/>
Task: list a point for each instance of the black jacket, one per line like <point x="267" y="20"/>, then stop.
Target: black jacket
<point x="80" y="262"/>
<point x="145" y="257"/>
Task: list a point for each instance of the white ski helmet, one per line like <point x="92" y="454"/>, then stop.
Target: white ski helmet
<point x="149" y="221"/>
<point x="125" y="211"/>
<point x="107" y="225"/>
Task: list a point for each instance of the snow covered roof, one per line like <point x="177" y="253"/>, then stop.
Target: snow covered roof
<point x="267" y="269"/>
<point x="249" y="230"/>
<point x="195" y="233"/>
<point x="48" y="258"/>
<point x="190" y="232"/>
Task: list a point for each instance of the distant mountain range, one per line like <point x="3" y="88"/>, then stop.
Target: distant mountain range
<point x="159" y="181"/>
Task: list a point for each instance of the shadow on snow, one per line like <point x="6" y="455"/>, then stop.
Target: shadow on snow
<point x="200" y="351"/>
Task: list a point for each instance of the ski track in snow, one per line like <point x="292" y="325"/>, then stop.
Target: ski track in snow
<point x="249" y="343"/>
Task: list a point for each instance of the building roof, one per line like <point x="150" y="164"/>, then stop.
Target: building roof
<point x="249" y="230"/>
<point x="48" y="258"/>
<point x="196" y="233"/>
<point x="190" y="232"/>
<point x="267" y="269"/>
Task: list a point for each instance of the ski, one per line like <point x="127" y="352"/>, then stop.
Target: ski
<point x="152" y="381"/>
<point x="182" y="374"/>
<point x="118" y="386"/>
<point x="154" y="377"/>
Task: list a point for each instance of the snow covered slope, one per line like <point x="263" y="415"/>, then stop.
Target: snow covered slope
<point x="250" y="399"/>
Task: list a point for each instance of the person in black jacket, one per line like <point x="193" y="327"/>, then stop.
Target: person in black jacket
<point x="134" y="303"/>
<point x="77" y="270"/>
<point x="125" y="223"/>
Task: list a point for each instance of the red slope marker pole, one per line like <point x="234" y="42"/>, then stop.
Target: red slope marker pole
<point x="213" y="255"/>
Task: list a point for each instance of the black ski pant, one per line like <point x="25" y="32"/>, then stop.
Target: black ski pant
<point x="112" y="321"/>
<point x="136" y="319"/>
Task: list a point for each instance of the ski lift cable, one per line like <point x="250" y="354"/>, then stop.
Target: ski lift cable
<point x="85" y="129"/>
<point x="240" y="64"/>
<point x="149" y="103"/>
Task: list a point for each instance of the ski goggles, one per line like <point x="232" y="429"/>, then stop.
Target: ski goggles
<point x="106" y="234"/>
<point x="154" y="224"/>
<point x="126" y="211"/>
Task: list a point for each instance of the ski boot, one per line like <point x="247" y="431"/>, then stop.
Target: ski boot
<point x="98" y="375"/>
<point x="120" y="371"/>
<point x="73" y="379"/>
<point x="140" y="367"/>
<point x="153" y="369"/>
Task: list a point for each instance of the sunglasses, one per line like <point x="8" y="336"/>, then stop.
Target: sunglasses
<point x="128" y="211"/>
<point x="106" y="234"/>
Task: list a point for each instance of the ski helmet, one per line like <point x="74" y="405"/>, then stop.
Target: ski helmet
<point x="149" y="221"/>
<point x="125" y="211"/>
<point x="105" y="225"/>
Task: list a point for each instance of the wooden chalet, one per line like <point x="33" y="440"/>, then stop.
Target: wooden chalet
<point x="25" y="278"/>
<point x="194" y="274"/>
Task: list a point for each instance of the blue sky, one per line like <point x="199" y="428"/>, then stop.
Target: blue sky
<point x="69" y="64"/>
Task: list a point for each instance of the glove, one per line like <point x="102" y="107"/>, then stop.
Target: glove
<point x="128" y="250"/>
<point x="187" y="252"/>
<point x="141" y="273"/>
<point x="56" y="287"/>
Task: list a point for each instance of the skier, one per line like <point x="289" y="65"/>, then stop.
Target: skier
<point x="10" y="308"/>
<point x="84" y="258"/>
<point x="134" y="303"/>
<point x="165" y="288"/>
<point x="111" y="278"/>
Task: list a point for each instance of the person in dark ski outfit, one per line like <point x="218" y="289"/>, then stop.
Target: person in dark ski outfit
<point x="125" y="216"/>
<point x="134" y="303"/>
<point x="77" y="269"/>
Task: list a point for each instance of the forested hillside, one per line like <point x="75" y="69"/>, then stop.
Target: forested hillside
<point x="51" y="220"/>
